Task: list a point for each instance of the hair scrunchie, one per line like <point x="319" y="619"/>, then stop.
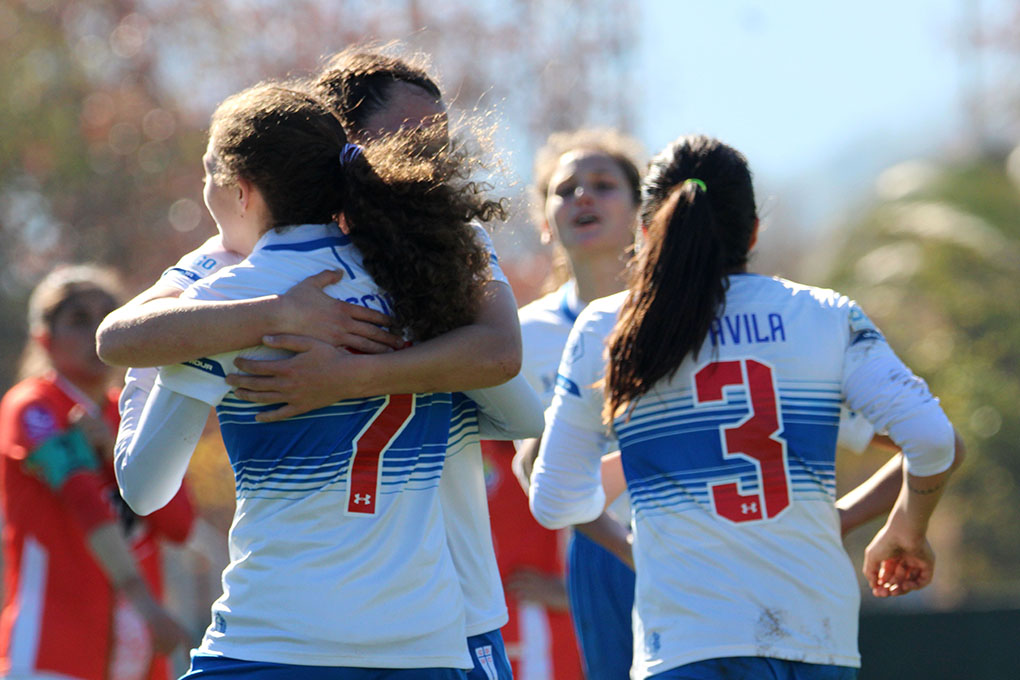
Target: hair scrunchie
<point x="349" y="153"/>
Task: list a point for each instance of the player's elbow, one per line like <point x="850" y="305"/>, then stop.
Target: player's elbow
<point x="110" y="344"/>
<point x="929" y="444"/>
<point x="545" y="514"/>
<point x="959" y="451"/>
<point x="559" y="513"/>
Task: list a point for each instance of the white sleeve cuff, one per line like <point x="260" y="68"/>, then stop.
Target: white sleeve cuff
<point x="896" y="401"/>
<point x="566" y="485"/>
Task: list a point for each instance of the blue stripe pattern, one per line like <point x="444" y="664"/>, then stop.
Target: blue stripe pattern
<point x="673" y="449"/>
<point x="311" y="453"/>
<point x="332" y="242"/>
<point x="463" y="424"/>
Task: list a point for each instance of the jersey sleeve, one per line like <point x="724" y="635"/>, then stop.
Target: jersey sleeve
<point x="208" y="258"/>
<point x="508" y="411"/>
<point x="495" y="270"/>
<point x="151" y="466"/>
<point x="855" y="432"/>
<point x="61" y="458"/>
<point x="880" y="387"/>
<point x="566" y="486"/>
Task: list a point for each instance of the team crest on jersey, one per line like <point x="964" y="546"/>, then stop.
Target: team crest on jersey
<point x="652" y="643"/>
<point x="492" y="476"/>
<point x="859" y="321"/>
<point x="39" y="423"/>
<point x="487" y="662"/>
<point x="576" y="349"/>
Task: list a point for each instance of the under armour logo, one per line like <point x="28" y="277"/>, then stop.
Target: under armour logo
<point x="365" y="498"/>
<point x="749" y="508"/>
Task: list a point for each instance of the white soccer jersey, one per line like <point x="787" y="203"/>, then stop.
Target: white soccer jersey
<point x="208" y="258"/>
<point x="545" y="327"/>
<point x="338" y="553"/>
<point x="737" y="554"/>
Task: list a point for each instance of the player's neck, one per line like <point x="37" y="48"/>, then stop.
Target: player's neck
<point x="598" y="277"/>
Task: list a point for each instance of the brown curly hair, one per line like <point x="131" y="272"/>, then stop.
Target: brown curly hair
<point x="407" y="200"/>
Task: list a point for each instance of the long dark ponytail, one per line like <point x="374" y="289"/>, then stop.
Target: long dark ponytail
<point x="699" y="216"/>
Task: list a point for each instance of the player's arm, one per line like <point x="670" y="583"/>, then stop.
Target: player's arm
<point x="611" y="535"/>
<point x="151" y="461"/>
<point x="877" y="385"/>
<point x="509" y="411"/>
<point x="566" y="482"/>
<point x="484" y="353"/>
<point x="154" y="330"/>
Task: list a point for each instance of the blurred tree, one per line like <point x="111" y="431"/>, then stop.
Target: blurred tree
<point x="936" y="264"/>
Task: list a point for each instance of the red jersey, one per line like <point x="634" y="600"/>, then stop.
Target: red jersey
<point x="539" y="642"/>
<point x="59" y="608"/>
<point x="58" y="603"/>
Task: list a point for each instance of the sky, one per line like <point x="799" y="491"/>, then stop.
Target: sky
<point x="815" y="93"/>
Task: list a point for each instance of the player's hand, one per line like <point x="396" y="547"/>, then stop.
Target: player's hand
<point x="96" y="430"/>
<point x="311" y="379"/>
<point x="533" y="586"/>
<point x="896" y="565"/>
<point x="310" y="311"/>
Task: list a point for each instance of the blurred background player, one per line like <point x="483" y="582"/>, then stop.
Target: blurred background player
<point x="586" y="192"/>
<point x="82" y="577"/>
<point x="724" y="391"/>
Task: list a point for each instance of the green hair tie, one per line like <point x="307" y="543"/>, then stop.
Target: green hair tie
<point x="698" y="182"/>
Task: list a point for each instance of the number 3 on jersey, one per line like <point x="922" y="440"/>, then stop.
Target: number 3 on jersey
<point x="369" y="447"/>
<point x="753" y="439"/>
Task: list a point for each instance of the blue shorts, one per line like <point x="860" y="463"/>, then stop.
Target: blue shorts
<point x="489" y="654"/>
<point x="601" y="592"/>
<point x="210" y="667"/>
<point x="756" y="668"/>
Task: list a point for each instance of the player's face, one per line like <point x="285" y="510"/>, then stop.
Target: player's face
<point x="589" y="207"/>
<point x="71" y="339"/>
<point x="224" y="206"/>
<point x="409" y="108"/>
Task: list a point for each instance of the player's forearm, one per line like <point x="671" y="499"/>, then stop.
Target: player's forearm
<point x="482" y="354"/>
<point x="108" y="546"/>
<point x="611" y="535"/>
<point x="167" y="331"/>
<point x="875" y="496"/>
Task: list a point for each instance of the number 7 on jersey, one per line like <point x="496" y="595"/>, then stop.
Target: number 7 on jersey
<point x="369" y="447"/>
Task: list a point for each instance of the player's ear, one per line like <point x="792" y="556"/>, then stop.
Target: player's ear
<point x="754" y="235"/>
<point x="44" y="338"/>
<point x="244" y="194"/>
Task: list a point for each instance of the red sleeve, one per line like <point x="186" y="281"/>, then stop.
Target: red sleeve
<point x="173" y="521"/>
<point x="84" y="493"/>
<point x="27" y="419"/>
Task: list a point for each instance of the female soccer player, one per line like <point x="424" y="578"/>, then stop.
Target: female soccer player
<point x="723" y="389"/>
<point x="340" y="556"/>
<point x="586" y="190"/>
<point x="390" y="94"/>
<point x="71" y="563"/>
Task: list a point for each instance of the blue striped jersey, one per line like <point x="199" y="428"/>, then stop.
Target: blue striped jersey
<point x="730" y="465"/>
<point x="337" y="548"/>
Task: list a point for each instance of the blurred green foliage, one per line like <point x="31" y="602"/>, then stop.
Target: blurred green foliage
<point x="936" y="264"/>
